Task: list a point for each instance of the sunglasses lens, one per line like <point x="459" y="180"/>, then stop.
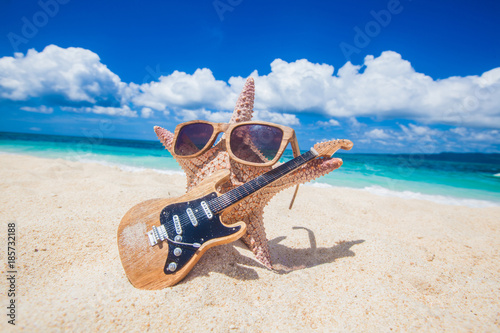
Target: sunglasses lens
<point x="192" y="138"/>
<point x="256" y="143"/>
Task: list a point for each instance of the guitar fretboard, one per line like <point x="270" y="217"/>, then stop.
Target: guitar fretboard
<point x="229" y="198"/>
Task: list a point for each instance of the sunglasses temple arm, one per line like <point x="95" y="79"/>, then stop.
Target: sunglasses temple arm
<point x="296" y="152"/>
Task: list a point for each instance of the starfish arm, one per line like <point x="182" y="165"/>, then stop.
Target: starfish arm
<point x="166" y="137"/>
<point x="256" y="240"/>
<point x="244" y="105"/>
<point x="251" y="211"/>
<point x="196" y="169"/>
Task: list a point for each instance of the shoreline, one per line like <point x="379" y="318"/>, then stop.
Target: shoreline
<point x="345" y="260"/>
<point x="374" y="189"/>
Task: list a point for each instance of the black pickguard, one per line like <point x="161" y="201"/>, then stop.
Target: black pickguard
<point x="207" y="229"/>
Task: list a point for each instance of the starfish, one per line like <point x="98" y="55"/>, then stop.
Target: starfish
<point x="251" y="209"/>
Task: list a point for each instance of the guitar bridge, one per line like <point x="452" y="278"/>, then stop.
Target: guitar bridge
<point x="157" y="234"/>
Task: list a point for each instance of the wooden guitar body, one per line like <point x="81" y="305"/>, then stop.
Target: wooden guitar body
<point x="147" y="266"/>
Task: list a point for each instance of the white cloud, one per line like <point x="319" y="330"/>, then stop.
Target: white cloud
<point x="459" y="130"/>
<point x="63" y="76"/>
<point x="224" y="116"/>
<point x="39" y="109"/>
<point x="110" y="111"/>
<point x="387" y="88"/>
<point x="146" y="113"/>
<point x="296" y="86"/>
<point x="355" y="124"/>
<point x="383" y="87"/>
<point x="491" y="136"/>
<point x="377" y="133"/>
<point x="421" y="132"/>
<point x="215" y="116"/>
<point x="331" y="122"/>
<point x="275" y="117"/>
<point x="181" y="90"/>
<point x="425" y="140"/>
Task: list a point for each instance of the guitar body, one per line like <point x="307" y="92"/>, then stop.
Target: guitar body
<point x="169" y="261"/>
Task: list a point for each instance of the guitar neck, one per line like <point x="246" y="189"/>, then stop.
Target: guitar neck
<point x="229" y="198"/>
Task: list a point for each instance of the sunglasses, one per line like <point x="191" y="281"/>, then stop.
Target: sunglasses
<point x="255" y="143"/>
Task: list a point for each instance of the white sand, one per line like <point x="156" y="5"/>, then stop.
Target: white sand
<point x="368" y="263"/>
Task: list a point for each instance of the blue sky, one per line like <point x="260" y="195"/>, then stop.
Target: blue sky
<point x="393" y="76"/>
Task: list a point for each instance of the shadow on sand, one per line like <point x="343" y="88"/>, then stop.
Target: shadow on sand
<point x="227" y="260"/>
<point x="286" y="259"/>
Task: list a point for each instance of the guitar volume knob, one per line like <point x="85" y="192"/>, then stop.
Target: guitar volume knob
<point x="172" y="266"/>
<point x="177" y="251"/>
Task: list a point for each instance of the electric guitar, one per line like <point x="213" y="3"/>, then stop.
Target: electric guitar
<point x="160" y="240"/>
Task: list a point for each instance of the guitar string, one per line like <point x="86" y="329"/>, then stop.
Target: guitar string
<point x="218" y="204"/>
<point x="229" y="198"/>
<point x="184" y="221"/>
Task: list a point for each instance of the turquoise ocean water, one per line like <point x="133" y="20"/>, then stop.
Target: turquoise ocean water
<point x="448" y="178"/>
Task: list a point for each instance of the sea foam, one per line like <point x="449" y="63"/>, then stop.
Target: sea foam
<point x="318" y="185"/>
<point x="441" y="199"/>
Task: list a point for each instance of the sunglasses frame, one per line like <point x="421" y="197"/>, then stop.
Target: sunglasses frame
<point x="288" y="137"/>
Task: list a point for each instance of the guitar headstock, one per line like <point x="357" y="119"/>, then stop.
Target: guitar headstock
<point x="328" y="148"/>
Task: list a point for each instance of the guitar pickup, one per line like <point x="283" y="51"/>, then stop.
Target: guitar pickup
<point x="157" y="234"/>
<point x="207" y="210"/>
<point x="192" y="217"/>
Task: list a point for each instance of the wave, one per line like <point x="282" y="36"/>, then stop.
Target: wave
<point x="318" y="185"/>
<point x="441" y="199"/>
<point x="496" y="175"/>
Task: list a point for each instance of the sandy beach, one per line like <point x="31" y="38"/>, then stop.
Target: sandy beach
<point x="346" y="260"/>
